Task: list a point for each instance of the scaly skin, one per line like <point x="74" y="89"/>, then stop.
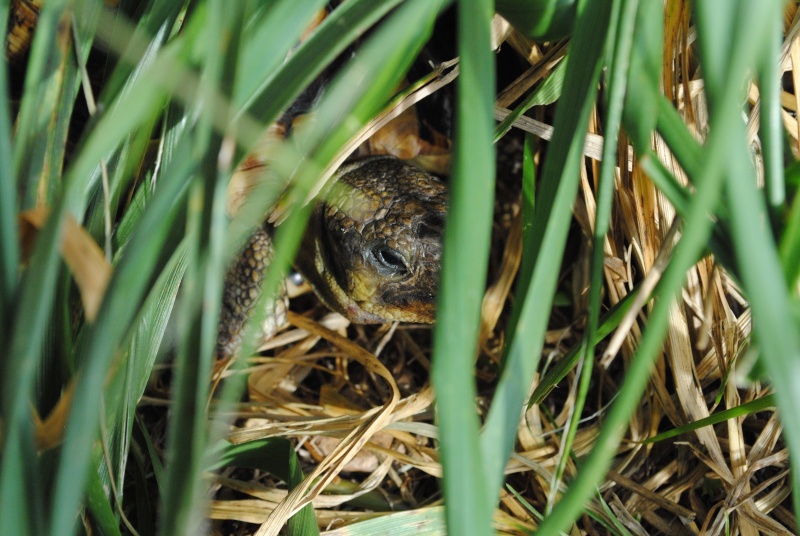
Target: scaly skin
<point x="371" y="252"/>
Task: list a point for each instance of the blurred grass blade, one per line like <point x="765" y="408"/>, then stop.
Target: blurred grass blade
<point x="771" y="125"/>
<point x="9" y="245"/>
<point x="551" y="222"/>
<point x="775" y="323"/>
<point x="466" y="248"/>
<point x="38" y="144"/>
<point x="21" y="503"/>
<point x="269" y="44"/>
<point x="39" y="105"/>
<point x="643" y="73"/>
<point x="125" y="292"/>
<point x="202" y="287"/>
<point x="156" y="23"/>
<point x="333" y="36"/>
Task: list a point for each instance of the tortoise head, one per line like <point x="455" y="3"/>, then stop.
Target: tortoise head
<point x="377" y="238"/>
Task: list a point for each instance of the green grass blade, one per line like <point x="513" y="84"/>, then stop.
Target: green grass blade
<point x="99" y="506"/>
<point x="331" y="39"/>
<point x="268" y="45"/>
<point x="790" y="237"/>
<point x="429" y="521"/>
<point x="623" y="55"/>
<point x="551" y="223"/>
<point x="749" y="408"/>
<point x="726" y="127"/>
<point x="466" y="248"/>
<point x="202" y="287"/>
<point x="125" y="292"/>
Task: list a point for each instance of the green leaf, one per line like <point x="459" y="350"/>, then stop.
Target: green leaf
<point x="99" y="506"/>
<point x="429" y="521"/>
<point x="469" y="500"/>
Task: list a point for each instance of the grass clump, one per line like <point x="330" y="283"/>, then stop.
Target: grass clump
<point x="623" y="264"/>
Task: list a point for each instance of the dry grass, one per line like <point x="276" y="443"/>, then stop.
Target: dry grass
<point x="359" y="406"/>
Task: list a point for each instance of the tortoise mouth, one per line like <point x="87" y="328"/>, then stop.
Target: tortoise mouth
<point x="411" y="306"/>
<point x="391" y="306"/>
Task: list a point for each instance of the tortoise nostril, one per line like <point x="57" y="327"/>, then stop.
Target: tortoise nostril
<point x="431" y="226"/>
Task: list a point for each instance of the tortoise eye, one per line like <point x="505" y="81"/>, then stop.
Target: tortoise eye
<point x="387" y="260"/>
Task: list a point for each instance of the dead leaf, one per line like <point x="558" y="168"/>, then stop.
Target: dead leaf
<point x="365" y="461"/>
<point x="50" y="432"/>
<point x="83" y="256"/>
<point x="400" y="137"/>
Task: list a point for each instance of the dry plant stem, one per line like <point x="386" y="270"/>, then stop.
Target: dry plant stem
<point x="648" y="284"/>
<point x="651" y="496"/>
<point x="593" y="147"/>
<point x="530" y="77"/>
<point x="386" y="338"/>
<point x="326" y="471"/>
<point x="708" y="310"/>
<point x="496" y="296"/>
<point x="437" y="80"/>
